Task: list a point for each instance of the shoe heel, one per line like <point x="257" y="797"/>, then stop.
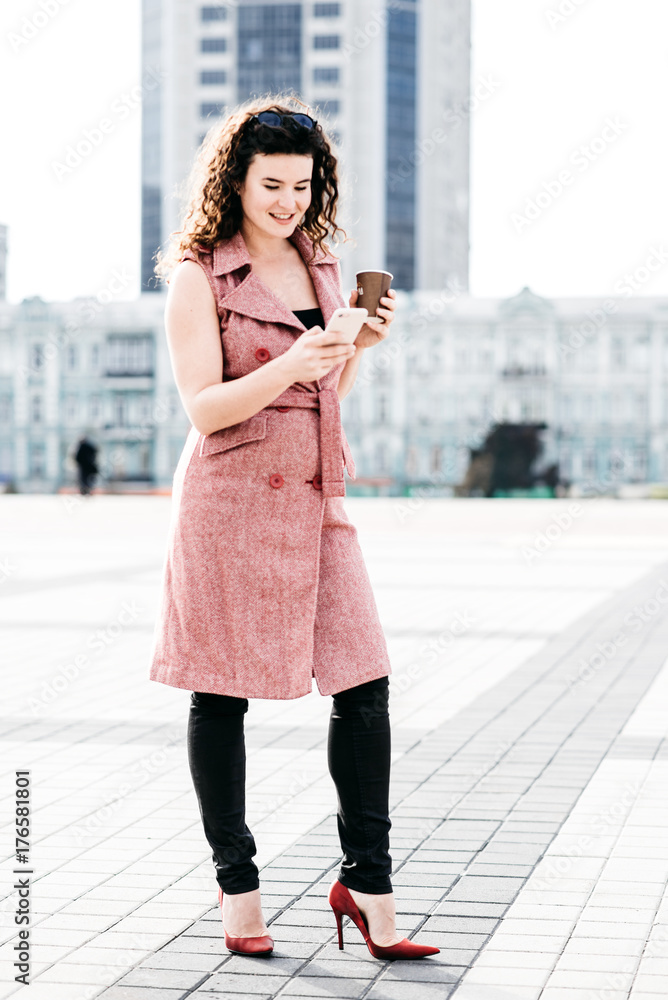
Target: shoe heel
<point x="339" y="927"/>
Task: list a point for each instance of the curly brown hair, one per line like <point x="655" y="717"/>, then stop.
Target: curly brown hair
<point x="213" y="207"/>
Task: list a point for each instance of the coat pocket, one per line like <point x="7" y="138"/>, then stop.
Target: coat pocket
<point x="253" y="429"/>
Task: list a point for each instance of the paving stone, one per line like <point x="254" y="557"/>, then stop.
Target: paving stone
<point x="143" y="993"/>
<point x="460" y="924"/>
<point x="348" y="970"/>
<point x="162" y="978"/>
<point x="199" y="962"/>
<point x="193" y="945"/>
<point x="389" y="989"/>
<point x="250" y="983"/>
<point x="209" y="995"/>
<point x="314" y="987"/>
<point x="431" y="971"/>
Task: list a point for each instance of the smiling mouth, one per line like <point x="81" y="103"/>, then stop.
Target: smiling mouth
<point x="281" y="217"/>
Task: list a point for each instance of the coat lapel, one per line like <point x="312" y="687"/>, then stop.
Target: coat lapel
<point x="251" y="297"/>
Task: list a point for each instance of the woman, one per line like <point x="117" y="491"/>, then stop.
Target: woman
<point x="265" y="586"/>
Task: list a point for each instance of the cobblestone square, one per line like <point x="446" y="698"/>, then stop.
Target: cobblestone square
<point x="530" y="712"/>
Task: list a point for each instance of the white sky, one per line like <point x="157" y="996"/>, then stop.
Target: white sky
<point x="557" y="87"/>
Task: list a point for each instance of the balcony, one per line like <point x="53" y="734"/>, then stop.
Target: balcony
<point x="524" y="371"/>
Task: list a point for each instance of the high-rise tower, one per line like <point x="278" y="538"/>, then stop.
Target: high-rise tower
<point x="391" y="79"/>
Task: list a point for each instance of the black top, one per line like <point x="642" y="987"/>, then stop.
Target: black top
<point x="310" y="317"/>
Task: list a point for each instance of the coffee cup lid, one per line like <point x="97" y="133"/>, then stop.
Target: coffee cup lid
<point x="373" y="270"/>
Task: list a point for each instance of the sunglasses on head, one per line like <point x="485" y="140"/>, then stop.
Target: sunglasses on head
<point x="275" y="120"/>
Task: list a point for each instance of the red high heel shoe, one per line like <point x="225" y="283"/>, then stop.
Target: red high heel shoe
<point x="344" y="905"/>
<point x="262" y="945"/>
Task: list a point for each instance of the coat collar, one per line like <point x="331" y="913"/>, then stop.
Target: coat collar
<point x="253" y="298"/>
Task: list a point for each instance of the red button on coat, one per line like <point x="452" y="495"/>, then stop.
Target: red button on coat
<point x="317" y="482"/>
<point x="282" y="409"/>
<point x="276" y="480"/>
<point x="262" y="354"/>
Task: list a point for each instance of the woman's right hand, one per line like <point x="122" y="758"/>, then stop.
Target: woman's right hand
<point x="312" y="355"/>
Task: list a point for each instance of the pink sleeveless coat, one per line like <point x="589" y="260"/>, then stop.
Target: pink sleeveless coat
<point x="264" y="584"/>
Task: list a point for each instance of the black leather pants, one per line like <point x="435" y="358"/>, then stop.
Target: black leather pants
<point x="358" y="755"/>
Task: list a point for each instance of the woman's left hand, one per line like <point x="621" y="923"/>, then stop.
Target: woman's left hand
<point x="373" y="332"/>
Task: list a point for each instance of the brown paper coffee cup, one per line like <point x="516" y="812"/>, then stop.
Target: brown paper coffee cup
<point x="371" y="287"/>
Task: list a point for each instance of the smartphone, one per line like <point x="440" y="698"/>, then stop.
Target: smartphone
<point x="346" y="324"/>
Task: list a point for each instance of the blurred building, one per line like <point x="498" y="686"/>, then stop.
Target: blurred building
<point x="72" y="367"/>
<point x="596" y="372"/>
<point x="392" y="81"/>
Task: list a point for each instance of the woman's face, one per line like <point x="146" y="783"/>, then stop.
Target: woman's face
<point x="276" y="192"/>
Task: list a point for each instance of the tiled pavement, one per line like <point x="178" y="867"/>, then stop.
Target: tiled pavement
<point x="529" y="707"/>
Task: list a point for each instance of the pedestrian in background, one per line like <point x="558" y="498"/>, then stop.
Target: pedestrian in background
<point x="265" y="585"/>
<point x="86" y="459"/>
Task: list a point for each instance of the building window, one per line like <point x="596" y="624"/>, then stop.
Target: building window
<point x="71" y="410"/>
<point x="145" y="410"/>
<point x="5" y="410"/>
<point x="640" y="350"/>
<point x="437" y="458"/>
<point x="71" y="359"/>
<point x="412" y="461"/>
<point x="37" y="357"/>
<point x="36" y="410"/>
<point x="327" y="41"/>
<point x="326" y="74"/>
<point x="95" y="409"/>
<point x="214" y="13"/>
<point x="328" y="107"/>
<point x="618" y="353"/>
<point x="95" y="357"/>
<point x="269" y="47"/>
<point x="589" y="463"/>
<point x="145" y="461"/>
<point x="120" y="411"/>
<point x="213" y="45"/>
<point x="326" y="10"/>
<point x="381" y="457"/>
<point x="212" y="76"/>
<point x="383" y="409"/>
<point x="37" y="461"/>
<point x="208" y="108"/>
<point x="639" y="462"/>
<point x="130" y="356"/>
